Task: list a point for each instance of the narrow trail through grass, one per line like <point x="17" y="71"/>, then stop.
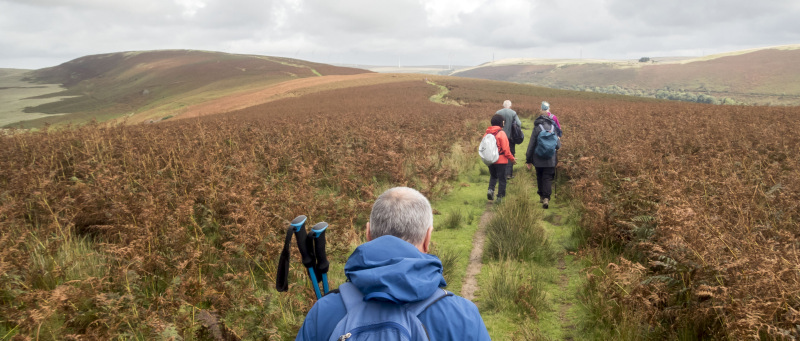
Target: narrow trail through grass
<point x="548" y="286"/>
<point x="441" y="96"/>
<point x="562" y="321"/>
<point x="475" y="257"/>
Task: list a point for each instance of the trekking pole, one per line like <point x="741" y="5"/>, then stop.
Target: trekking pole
<point x="282" y="278"/>
<point x="555" y="178"/>
<point x="303" y="243"/>
<point x="318" y="231"/>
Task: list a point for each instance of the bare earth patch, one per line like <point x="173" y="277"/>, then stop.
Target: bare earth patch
<point x="474" y="268"/>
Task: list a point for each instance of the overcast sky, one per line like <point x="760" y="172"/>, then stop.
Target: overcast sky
<point x="41" y="33"/>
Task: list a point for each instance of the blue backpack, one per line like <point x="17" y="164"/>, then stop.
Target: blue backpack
<point x="546" y="142"/>
<point x="380" y="320"/>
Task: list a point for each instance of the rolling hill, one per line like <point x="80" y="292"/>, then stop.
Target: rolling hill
<point x="762" y="76"/>
<point x="158" y="84"/>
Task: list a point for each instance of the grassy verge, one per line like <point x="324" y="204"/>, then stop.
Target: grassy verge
<point x="457" y="216"/>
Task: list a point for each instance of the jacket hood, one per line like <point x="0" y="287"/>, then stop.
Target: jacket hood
<point x="543" y="120"/>
<point x="391" y="269"/>
<point x="493" y="129"/>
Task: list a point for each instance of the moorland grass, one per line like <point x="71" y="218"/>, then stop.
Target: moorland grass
<point x="515" y="231"/>
<point x="456" y="216"/>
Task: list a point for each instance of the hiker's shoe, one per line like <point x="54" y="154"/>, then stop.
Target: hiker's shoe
<point x="498" y="200"/>
<point x="541" y="200"/>
<point x="490" y="194"/>
<point x="546" y="203"/>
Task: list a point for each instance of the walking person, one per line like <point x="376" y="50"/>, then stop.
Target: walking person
<point x="510" y="116"/>
<point x="497" y="170"/>
<point x="543" y="155"/>
<point x="546" y="112"/>
<point x="392" y="273"/>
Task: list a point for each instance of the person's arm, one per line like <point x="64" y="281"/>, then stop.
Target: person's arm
<point x="502" y="138"/>
<point x="558" y="126"/>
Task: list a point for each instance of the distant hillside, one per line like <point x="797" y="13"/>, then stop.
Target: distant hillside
<point x="765" y="76"/>
<point x="111" y="85"/>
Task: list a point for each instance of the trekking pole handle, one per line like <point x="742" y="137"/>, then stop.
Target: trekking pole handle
<point x="318" y="232"/>
<point x="300" y="234"/>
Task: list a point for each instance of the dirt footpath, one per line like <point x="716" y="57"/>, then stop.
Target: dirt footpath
<point x="474" y="268"/>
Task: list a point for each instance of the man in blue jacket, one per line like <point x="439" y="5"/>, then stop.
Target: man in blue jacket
<point x="393" y="266"/>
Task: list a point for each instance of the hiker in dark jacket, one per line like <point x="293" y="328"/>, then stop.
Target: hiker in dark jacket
<point x="510" y="116"/>
<point x="545" y="168"/>
<point x="546" y="112"/>
<point x="394" y="267"/>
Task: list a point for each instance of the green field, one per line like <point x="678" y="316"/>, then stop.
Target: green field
<point x="17" y="94"/>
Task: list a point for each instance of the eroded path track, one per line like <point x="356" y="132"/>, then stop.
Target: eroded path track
<point x="474" y="268"/>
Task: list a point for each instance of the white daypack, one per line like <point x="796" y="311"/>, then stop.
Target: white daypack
<point x="488" y="149"/>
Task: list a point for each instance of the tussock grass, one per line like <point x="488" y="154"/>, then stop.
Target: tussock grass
<point x="515" y="231"/>
<point x="450" y="258"/>
<point x="455" y="219"/>
<point x="75" y="259"/>
<point x="512" y="287"/>
<point x="514" y="295"/>
<point x="461" y="158"/>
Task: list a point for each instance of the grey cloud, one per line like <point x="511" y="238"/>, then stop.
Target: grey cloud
<point x="361" y="18"/>
<point x="383" y="32"/>
<point x="235" y="14"/>
<point x="127" y="6"/>
<point x="694" y="13"/>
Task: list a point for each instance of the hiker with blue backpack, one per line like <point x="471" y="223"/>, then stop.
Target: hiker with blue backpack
<point x="496" y="153"/>
<point x="394" y="288"/>
<point x="542" y="154"/>
<point x="546" y="112"/>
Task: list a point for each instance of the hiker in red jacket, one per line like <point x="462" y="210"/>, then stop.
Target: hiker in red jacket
<point x="497" y="170"/>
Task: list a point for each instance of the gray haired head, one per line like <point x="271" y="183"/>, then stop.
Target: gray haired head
<point x="401" y="212"/>
<point x="506" y="104"/>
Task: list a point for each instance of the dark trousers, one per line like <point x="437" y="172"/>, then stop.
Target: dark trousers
<point x="544" y="181"/>
<point x="498" y="172"/>
<point x="510" y="168"/>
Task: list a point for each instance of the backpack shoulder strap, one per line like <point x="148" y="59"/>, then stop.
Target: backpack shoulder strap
<point x="417" y="308"/>
<point x="351" y="296"/>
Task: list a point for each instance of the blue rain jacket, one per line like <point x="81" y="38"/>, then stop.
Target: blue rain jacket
<point x="391" y="269"/>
